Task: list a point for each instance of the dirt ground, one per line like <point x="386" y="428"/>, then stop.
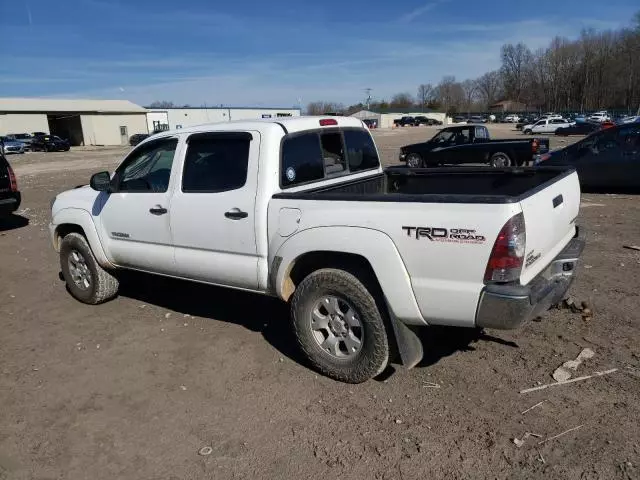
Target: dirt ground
<point x="136" y="387"/>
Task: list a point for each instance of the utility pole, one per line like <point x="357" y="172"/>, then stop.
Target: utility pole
<point x="368" y="100"/>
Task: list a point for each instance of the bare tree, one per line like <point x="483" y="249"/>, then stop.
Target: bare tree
<point x="425" y="94"/>
<point x="401" y="100"/>
<point x="515" y="59"/>
<point x="489" y="87"/>
<point x="162" y="104"/>
<point x="322" y="107"/>
<point x="469" y="90"/>
<point x="449" y="94"/>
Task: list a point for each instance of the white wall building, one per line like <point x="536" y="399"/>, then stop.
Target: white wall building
<point x="172" y="118"/>
<point x="82" y="122"/>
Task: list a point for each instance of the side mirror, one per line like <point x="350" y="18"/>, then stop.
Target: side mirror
<point x="101" y="182"/>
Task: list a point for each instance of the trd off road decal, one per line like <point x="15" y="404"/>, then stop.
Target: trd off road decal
<point x="447" y="235"/>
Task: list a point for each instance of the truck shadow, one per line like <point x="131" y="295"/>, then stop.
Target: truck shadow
<point x="270" y="316"/>
<point x="258" y="313"/>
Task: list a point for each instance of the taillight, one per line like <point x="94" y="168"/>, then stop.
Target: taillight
<point x="324" y="122"/>
<point x="12" y="179"/>
<point x="507" y="256"/>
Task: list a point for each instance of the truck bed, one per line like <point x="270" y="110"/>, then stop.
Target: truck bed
<point x="440" y="185"/>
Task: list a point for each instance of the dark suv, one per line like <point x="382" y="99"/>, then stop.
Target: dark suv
<point x="9" y="194"/>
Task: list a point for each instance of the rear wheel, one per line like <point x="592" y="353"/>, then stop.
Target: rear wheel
<point x="500" y="160"/>
<point x="414" y="160"/>
<point x="527" y="132"/>
<point x="339" y="327"/>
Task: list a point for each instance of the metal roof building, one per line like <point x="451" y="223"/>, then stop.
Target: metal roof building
<point x="83" y="122"/>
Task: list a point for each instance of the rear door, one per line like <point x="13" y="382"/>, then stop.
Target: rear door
<point x="550" y="215"/>
<point x="213" y="210"/>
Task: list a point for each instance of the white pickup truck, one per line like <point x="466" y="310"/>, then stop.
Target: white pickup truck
<point x="300" y="209"/>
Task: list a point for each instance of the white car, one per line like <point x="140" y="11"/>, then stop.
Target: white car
<point x="300" y="209"/>
<point x="600" y="117"/>
<point x="512" y="119"/>
<point x="546" y="125"/>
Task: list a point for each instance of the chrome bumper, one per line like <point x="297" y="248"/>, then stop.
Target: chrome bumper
<point x="509" y="306"/>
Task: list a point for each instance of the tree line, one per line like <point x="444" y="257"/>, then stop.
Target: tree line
<point x="598" y="70"/>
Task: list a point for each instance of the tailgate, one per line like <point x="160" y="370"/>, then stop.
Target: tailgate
<point x="550" y="214"/>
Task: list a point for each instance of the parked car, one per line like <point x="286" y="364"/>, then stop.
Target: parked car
<point x="300" y="209"/>
<point x="471" y="144"/>
<point x="49" y="143"/>
<point x="422" y="120"/>
<point x="9" y="194"/>
<point x="477" y="119"/>
<point x="8" y="145"/>
<point x="512" y="118"/>
<point x="630" y="119"/>
<point x="39" y="134"/>
<point x="459" y="119"/>
<point x="25" y="138"/>
<point x="370" y="123"/>
<point x="526" y="121"/>
<point x="546" y="125"/>
<point x="601" y="116"/>
<point x="404" y="122"/>
<point x="583" y="128"/>
<point x="606" y="160"/>
<point x="136" y="138"/>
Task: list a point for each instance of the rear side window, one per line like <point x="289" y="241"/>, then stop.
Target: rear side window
<point x="216" y="162"/>
<point x="361" y="152"/>
<point x="332" y="153"/>
<point x="301" y="160"/>
<point x="481" y="132"/>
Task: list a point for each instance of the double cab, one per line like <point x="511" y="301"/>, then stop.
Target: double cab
<point x="300" y="209"/>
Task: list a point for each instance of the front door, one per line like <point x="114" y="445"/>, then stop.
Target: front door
<point x="213" y="216"/>
<point x="124" y="136"/>
<point x="135" y="217"/>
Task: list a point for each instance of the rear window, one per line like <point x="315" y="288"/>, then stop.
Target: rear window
<point x="317" y="155"/>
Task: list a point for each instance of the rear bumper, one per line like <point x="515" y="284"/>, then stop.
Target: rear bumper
<point x="9" y="204"/>
<point x="509" y="306"/>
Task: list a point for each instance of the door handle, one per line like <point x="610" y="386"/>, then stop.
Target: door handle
<point x="236" y="214"/>
<point x="158" y="210"/>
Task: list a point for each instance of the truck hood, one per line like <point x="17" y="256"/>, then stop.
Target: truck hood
<point x="83" y="197"/>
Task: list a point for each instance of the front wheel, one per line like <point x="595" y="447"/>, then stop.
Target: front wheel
<point x="500" y="160"/>
<point x="414" y="160"/>
<point x="339" y="327"/>
<point x="86" y="280"/>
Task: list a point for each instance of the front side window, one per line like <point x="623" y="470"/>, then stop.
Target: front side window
<point x="216" y="162"/>
<point x="361" y="152"/>
<point x="148" y="168"/>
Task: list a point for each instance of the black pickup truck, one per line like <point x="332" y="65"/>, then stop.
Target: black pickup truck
<point x="471" y="144"/>
<point x="405" y="121"/>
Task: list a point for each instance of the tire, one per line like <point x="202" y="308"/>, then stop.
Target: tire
<point x="500" y="160"/>
<point x="99" y="285"/>
<point x="528" y="132"/>
<point x="414" y="161"/>
<point x="341" y="359"/>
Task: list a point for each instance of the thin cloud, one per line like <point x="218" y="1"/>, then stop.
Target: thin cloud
<point x="415" y="13"/>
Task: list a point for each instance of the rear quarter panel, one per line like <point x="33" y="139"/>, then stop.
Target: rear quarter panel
<point x="445" y="273"/>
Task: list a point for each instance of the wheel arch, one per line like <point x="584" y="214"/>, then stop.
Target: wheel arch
<point x="75" y="220"/>
<point x="370" y="253"/>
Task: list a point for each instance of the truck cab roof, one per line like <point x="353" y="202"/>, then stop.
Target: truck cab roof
<point x="288" y="124"/>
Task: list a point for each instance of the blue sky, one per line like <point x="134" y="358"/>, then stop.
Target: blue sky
<point x="270" y="53"/>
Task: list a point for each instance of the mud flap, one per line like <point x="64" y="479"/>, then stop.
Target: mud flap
<point x="409" y="345"/>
